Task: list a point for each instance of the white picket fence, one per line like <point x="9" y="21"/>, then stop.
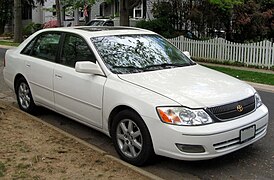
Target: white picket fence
<point x="258" y="54"/>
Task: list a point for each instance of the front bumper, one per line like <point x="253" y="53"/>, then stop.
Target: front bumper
<point x="217" y="139"/>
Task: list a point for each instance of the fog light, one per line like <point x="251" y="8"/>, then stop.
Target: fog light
<point x="190" y="148"/>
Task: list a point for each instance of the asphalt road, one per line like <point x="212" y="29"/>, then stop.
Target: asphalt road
<point x="253" y="162"/>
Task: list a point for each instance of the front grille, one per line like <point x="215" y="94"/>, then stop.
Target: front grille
<point x="230" y="111"/>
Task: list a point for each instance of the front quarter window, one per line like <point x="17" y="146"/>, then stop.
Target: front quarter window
<point x="137" y="53"/>
<point x="28" y="47"/>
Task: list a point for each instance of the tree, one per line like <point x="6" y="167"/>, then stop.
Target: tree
<point x="226" y="4"/>
<point x="76" y="4"/>
<point x="58" y="12"/>
<point x="227" y="7"/>
<point x="18" y="29"/>
<point x="18" y="36"/>
<point x="5" y="13"/>
<point x="125" y="7"/>
<point x="254" y="21"/>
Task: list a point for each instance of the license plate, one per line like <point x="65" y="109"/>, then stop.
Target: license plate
<point x="247" y="133"/>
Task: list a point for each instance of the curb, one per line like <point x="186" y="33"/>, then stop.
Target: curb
<point x="6" y="47"/>
<point x="262" y="87"/>
<point x="267" y="71"/>
<point x="95" y="148"/>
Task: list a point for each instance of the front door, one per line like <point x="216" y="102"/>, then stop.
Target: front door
<point x="76" y="94"/>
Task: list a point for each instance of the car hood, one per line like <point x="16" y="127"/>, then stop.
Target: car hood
<point x="192" y="86"/>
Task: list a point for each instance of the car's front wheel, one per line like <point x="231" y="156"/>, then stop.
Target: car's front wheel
<point x="131" y="138"/>
<point x="24" y="97"/>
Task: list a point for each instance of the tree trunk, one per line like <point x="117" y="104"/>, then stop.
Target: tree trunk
<point x="18" y="35"/>
<point x="124" y="13"/>
<point x="2" y="27"/>
<point x="76" y="17"/>
<point x="144" y="9"/>
<point x="58" y="13"/>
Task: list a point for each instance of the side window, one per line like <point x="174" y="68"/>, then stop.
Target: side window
<point x="46" y="46"/>
<point x="28" y="48"/>
<point x="75" y="49"/>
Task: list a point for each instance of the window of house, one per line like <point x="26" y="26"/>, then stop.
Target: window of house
<point x="137" y="12"/>
<point x="54" y="10"/>
<point x="26" y="12"/>
<point x="75" y="49"/>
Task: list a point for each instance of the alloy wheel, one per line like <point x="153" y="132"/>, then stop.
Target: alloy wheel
<point x="24" y="95"/>
<point x="129" y="138"/>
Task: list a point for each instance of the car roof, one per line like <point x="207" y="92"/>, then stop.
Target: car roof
<point x="95" y="31"/>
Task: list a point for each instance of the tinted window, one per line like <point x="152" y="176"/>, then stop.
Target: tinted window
<point x="96" y="23"/>
<point x="46" y="46"/>
<point x="75" y="49"/>
<point x="109" y="23"/>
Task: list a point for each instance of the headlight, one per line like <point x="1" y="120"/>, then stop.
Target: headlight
<point x="258" y="100"/>
<point x="183" y="116"/>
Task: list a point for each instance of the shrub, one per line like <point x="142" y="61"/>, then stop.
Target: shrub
<point x="7" y="35"/>
<point x="31" y="28"/>
<point x="160" y="26"/>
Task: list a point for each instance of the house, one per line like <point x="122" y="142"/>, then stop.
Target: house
<point x="42" y="14"/>
<point x="103" y="9"/>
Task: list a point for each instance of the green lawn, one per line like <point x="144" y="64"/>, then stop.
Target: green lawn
<point x="8" y="43"/>
<point x="257" y="77"/>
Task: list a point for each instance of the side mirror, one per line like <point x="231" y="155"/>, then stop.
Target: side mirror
<point x="187" y="54"/>
<point x="88" y="67"/>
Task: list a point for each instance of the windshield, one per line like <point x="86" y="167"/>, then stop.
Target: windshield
<point x="124" y="54"/>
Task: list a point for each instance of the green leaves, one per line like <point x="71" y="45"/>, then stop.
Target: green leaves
<point x="226" y="4"/>
<point x="78" y="3"/>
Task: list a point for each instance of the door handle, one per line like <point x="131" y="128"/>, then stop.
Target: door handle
<point x="58" y="76"/>
<point x="28" y="65"/>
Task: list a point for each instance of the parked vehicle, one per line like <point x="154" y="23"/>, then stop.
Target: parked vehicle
<point x="100" y="22"/>
<point x="136" y="87"/>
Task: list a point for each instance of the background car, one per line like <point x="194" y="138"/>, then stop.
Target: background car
<point x="100" y="22"/>
<point x="136" y="87"/>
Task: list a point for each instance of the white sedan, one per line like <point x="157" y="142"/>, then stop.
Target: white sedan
<point x="136" y="87"/>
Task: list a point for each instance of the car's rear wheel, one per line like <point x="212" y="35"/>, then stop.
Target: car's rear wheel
<point x="131" y="138"/>
<point x="24" y="97"/>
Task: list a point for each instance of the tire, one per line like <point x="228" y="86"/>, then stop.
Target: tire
<point x="131" y="138"/>
<point x="24" y="96"/>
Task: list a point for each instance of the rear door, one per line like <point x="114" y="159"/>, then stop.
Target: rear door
<point x="76" y="94"/>
<point x="40" y="55"/>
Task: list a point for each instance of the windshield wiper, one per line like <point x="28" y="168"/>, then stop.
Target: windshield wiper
<point x="164" y="65"/>
<point x="151" y="67"/>
<point x="129" y="68"/>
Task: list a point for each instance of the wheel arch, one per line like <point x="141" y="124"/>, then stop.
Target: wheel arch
<point x="147" y="153"/>
<point x="115" y="111"/>
<point x="17" y="77"/>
